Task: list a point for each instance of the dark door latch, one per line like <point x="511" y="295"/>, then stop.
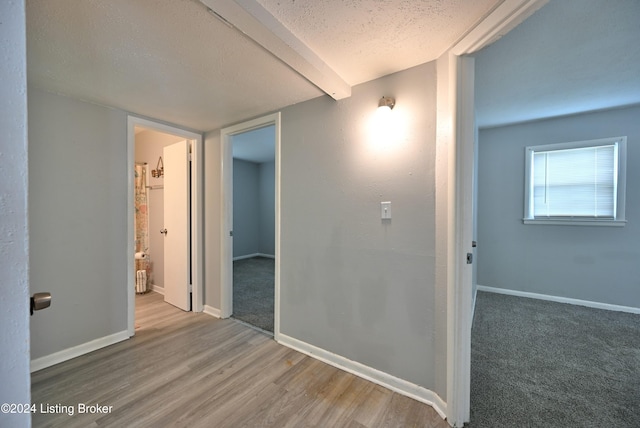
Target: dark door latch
<point x="40" y="301"/>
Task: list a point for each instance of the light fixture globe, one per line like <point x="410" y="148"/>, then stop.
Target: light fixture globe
<point x="387" y="102"/>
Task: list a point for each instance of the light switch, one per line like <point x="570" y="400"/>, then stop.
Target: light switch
<point x="385" y="210"/>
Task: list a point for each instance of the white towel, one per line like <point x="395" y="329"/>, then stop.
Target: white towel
<point x="141" y="281"/>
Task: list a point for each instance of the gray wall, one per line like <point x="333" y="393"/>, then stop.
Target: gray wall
<point x="267" y="200"/>
<point x="246" y="225"/>
<point x="14" y="230"/>
<point x="253" y="208"/>
<point x="351" y="283"/>
<point x="598" y="264"/>
<point x="78" y="220"/>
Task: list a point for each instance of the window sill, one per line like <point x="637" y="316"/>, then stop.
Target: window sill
<point x="575" y="222"/>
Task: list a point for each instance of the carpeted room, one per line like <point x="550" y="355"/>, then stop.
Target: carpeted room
<point x="569" y="356"/>
<point x="254" y="227"/>
<point x="554" y="363"/>
<point x="538" y="363"/>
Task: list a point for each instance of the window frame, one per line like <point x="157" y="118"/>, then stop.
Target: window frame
<point x="619" y="219"/>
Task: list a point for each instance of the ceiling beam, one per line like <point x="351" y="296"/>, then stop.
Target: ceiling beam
<point x="499" y="22"/>
<point x="257" y="23"/>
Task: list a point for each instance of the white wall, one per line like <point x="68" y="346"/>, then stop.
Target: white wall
<point x="212" y="217"/>
<point x="148" y="148"/>
<point x="78" y="220"/>
<point x="598" y="264"/>
<point x="14" y="230"/>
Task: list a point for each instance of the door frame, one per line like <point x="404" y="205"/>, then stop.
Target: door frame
<point x="454" y="166"/>
<point x="226" y="254"/>
<point x="197" y="204"/>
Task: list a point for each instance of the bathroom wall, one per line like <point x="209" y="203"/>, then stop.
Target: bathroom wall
<point x="148" y="148"/>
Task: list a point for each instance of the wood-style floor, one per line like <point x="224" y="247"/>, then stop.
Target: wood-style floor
<point x="185" y="369"/>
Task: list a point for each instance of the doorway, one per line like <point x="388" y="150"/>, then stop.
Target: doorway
<point x="151" y="146"/>
<point x="254" y="226"/>
<point x="149" y="208"/>
<point x="253" y="148"/>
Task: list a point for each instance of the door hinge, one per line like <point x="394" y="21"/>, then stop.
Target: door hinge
<point x="190" y="157"/>
<point x="231" y="233"/>
<point x="469" y="258"/>
<point x="190" y="288"/>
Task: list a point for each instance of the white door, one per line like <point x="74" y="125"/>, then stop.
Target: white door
<point x="177" y="260"/>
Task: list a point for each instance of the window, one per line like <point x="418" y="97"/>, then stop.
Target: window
<point x="577" y="183"/>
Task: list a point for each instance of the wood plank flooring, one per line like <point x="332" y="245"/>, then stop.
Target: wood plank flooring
<point x="185" y="369"/>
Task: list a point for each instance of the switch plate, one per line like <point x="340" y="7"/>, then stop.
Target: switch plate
<point x="385" y="210"/>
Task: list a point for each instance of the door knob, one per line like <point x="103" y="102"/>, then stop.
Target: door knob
<point x="40" y="301"/>
<point x="163" y="231"/>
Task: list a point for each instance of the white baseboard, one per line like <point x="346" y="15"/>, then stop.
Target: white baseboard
<point x="76" y="351"/>
<point x="210" y="310"/>
<point x="250" y="256"/>
<point x="587" y="303"/>
<point x="391" y="382"/>
<point x="159" y="290"/>
<point x="269" y="256"/>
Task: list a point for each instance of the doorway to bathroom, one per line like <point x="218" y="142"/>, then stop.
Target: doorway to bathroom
<point x="165" y="201"/>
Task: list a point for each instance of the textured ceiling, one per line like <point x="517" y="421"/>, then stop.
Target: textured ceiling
<point x="170" y="60"/>
<point x="366" y="39"/>
<point x="571" y="56"/>
<point x="175" y="61"/>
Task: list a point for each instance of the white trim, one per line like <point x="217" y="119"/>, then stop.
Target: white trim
<point x="620" y="173"/>
<point x="451" y="254"/>
<point x="210" y="310"/>
<point x="257" y="23"/>
<point x="571" y="222"/>
<point x="250" y="256"/>
<point x="268" y="256"/>
<point x="226" y="206"/>
<point x="376" y="376"/>
<point x="499" y="22"/>
<point x="473" y="305"/>
<point x="157" y="289"/>
<point x="197" y="204"/>
<point x="76" y="351"/>
<point x="569" y="300"/>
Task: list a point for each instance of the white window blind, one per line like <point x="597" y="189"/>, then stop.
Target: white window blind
<point x="579" y="182"/>
<point x="576" y="183"/>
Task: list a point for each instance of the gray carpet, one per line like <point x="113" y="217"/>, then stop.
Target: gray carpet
<point x="253" y="291"/>
<point x="544" y="364"/>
